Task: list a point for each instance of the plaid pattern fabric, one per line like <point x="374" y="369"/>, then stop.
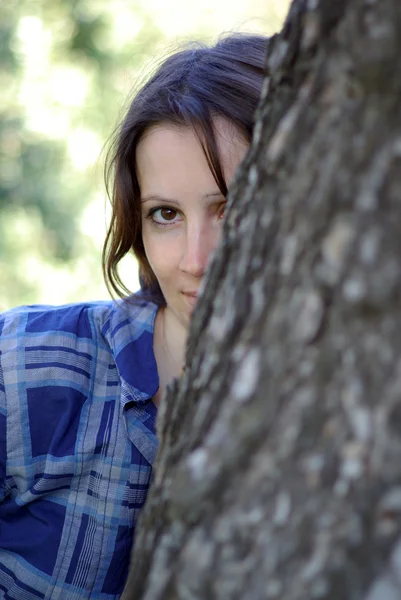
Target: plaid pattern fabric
<point x="77" y="441"/>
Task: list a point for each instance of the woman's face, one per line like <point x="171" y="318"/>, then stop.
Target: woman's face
<point x="182" y="207"/>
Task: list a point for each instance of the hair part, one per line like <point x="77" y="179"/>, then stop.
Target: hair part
<point x="191" y="88"/>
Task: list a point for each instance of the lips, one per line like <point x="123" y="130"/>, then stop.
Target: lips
<point x="191" y="299"/>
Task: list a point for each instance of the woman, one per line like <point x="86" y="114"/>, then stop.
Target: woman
<point x="80" y="384"/>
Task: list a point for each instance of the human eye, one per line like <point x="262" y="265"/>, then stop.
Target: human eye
<point x="163" y="215"/>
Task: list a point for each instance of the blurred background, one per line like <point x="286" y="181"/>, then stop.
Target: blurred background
<point x="66" y="70"/>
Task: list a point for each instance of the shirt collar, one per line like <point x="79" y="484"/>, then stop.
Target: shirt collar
<point x="129" y="331"/>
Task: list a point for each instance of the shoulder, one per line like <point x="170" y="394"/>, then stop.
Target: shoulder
<point x="89" y="323"/>
<point x="82" y="320"/>
<point x="77" y="346"/>
<point x="52" y="345"/>
<point x="49" y="356"/>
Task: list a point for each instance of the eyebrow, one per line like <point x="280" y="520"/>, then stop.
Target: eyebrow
<point x="157" y="198"/>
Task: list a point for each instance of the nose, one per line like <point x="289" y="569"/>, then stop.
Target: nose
<point x="200" y="241"/>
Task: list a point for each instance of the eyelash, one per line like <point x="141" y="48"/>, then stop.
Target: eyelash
<point x="154" y="210"/>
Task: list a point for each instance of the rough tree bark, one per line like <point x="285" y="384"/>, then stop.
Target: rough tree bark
<point x="279" y="471"/>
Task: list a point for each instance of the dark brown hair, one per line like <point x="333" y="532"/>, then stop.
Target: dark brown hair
<point x="190" y="88"/>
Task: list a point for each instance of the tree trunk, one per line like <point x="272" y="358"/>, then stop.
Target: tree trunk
<point x="279" y="470"/>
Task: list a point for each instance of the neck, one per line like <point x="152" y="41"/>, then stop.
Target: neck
<point x="174" y="340"/>
<point x="169" y="347"/>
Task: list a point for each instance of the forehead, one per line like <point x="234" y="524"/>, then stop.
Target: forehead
<point x="173" y="151"/>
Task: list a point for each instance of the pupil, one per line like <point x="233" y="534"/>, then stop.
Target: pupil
<point x="168" y="214"/>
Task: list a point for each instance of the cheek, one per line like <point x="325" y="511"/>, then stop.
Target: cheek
<point x="161" y="252"/>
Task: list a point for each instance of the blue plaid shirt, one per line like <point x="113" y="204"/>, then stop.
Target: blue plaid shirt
<point x="77" y="441"/>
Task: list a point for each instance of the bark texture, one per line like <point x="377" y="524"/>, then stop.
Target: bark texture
<point x="279" y="470"/>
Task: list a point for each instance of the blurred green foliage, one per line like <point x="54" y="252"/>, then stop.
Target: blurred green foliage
<point x="66" y="67"/>
<point x="43" y="190"/>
